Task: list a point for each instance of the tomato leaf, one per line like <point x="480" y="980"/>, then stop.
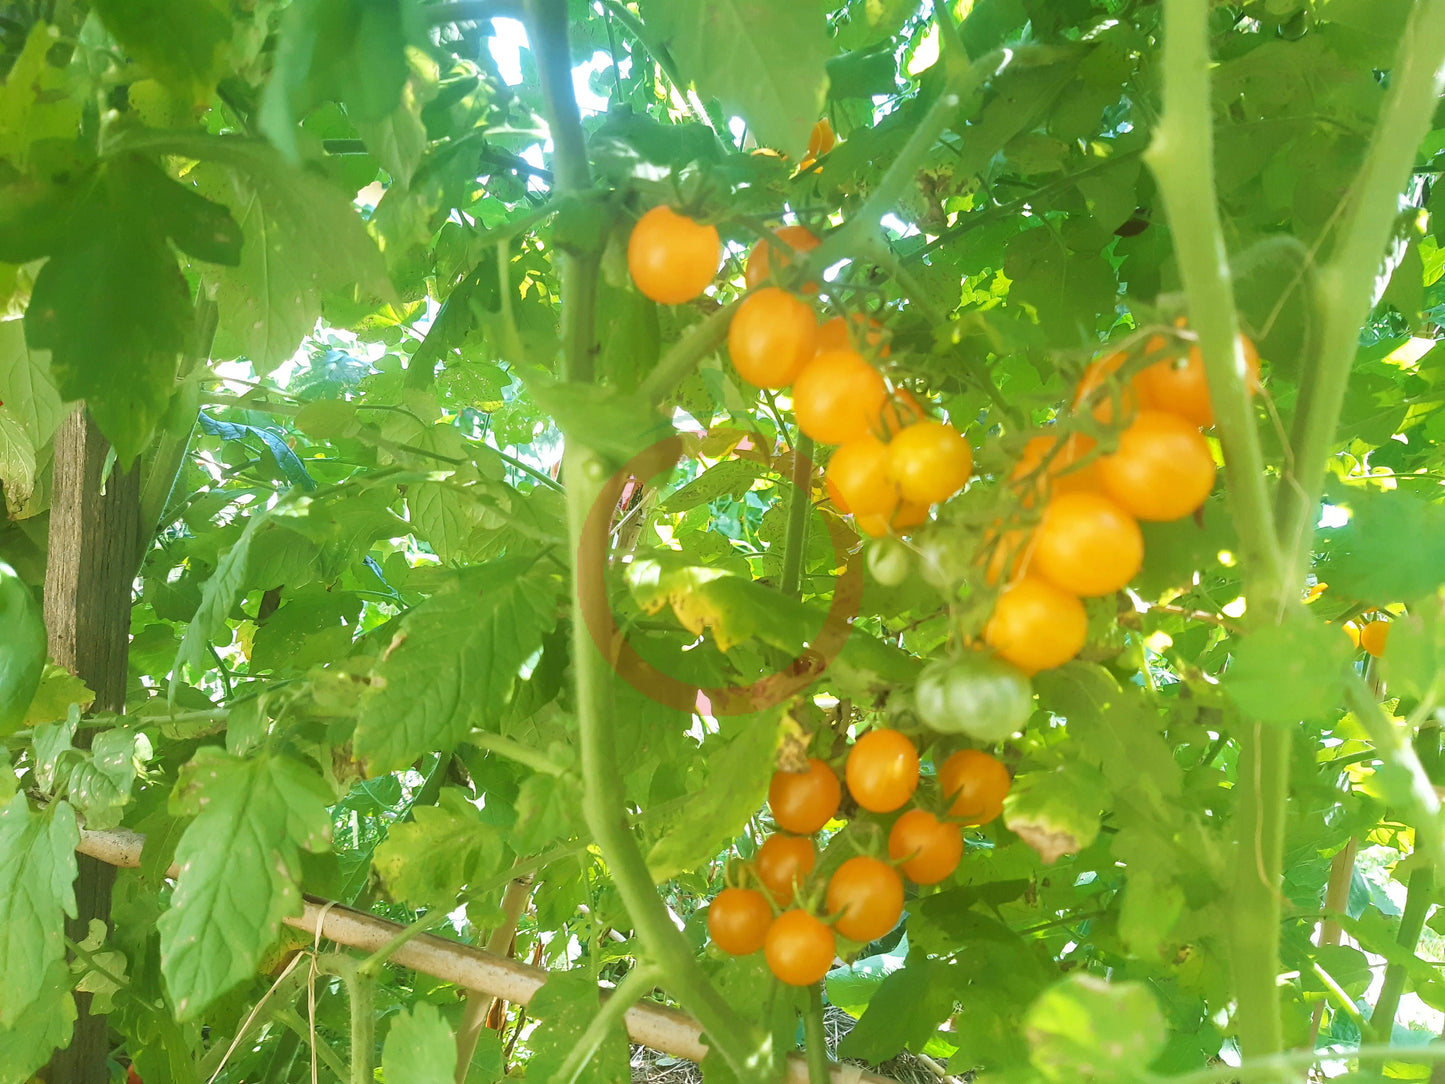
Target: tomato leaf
<point x="37" y="855"/>
<point x="303" y="240"/>
<point x="735" y="768"/>
<point x="420" y="1048"/>
<point x="1286" y="672"/>
<point x="763" y="61"/>
<point x="350" y="51"/>
<point x="1084" y="1028"/>
<point x="180" y="42"/>
<point x="1363" y="559"/>
<point x="41" y="1028"/>
<point x="454" y="663"/>
<point x="240" y="860"/>
<point x="566" y="1004"/>
<point x="903" y="1012"/>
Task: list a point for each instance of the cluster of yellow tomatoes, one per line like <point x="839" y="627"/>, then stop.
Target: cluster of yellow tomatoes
<point x="795" y="921"/>
<point x="1087" y="540"/>
<point x="892" y="461"/>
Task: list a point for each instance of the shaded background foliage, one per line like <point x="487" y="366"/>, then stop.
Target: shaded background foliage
<point x="298" y="260"/>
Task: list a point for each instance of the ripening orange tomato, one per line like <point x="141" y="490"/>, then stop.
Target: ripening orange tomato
<point x="977" y="783"/>
<point x="1036" y="626"/>
<point x="836" y="497"/>
<point x="799" y="948"/>
<point x="1008" y="555"/>
<point x="882" y="770"/>
<point x="1063" y="473"/>
<point x="907" y="515"/>
<point x="1105" y="396"/>
<point x="1087" y="544"/>
<point x="1353" y="632"/>
<point x="760" y="259"/>
<point x="837" y="396"/>
<point x="930" y="848"/>
<point x="821" y="139"/>
<point x="859" y="471"/>
<point x="834" y="334"/>
<point x="783" y="864"/>
<point x="1373" y="635"/>
<point x="771" y="337"/>
<point x="1163" y="469"/>
<point x="671" y="257"/>
<point x="930" y="462"/>
<point x="869" y="895"/>
<point x="803" y="802"/>
<point x="1180" y="386"/>
<point x="738" y="920"/>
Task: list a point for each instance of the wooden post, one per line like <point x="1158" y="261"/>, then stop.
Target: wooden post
<point x="95" y="548"/>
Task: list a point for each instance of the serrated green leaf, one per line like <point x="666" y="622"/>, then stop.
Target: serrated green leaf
<point x="100" y="783"/>
<point x="1057" y="812"/>
<point x="37" y="891"/>
<point x="42" y="1027"/>
<point x="240" y="860"/>
<point x="34" y="101"/>
<point x="219" y="595"/>
<point x="730" y="478"/>
<point x="180" y="42"/>
<point x="426" y="861"/>
<point x="22" y="649"/>
<point x="26" y="387"/>
<point x="718" y="807"/>
<point x="420" y="1048"/>
<point x="1287" y="672"/>
<point x="764" y="61"/>
<point x="566" y="1004"/>
<point x="1067" y="289"/>
<point x="1363" y="559"/>
<point x="349" y="51"/>
<point x="303" y="237"/>
<point x="903" y="1014"/>
<point x="454" y="663"/>
<point x="1084" y="1028"/>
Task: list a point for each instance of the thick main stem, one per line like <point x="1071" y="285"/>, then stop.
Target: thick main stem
<point x="1181" y="155"/>
<point x="1255" y="913"/>
<point x="1418" y="893"/>
<point x="603" y="799"/>
<point x="1346" y="284"/>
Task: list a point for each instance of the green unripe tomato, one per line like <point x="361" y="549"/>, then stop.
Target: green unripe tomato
<point x="976" y="695"/>
<point x="889" y="561"/>
<point x="22" y="649"/>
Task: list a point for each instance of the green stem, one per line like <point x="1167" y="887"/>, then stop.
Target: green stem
<point x="1181" y="155"/>
<point x="1418" y="898"/>
<point x="964" y="82"/>
<point x="372" y="965"/>
<point x="1392" y="744"/>
<point x="514" y="750"/>
<point x="1340" y="997"/>
<point x="815" y="1038"/>
<point x="1259" y="847"/>
<point x="1345" y="285"/>
<point x="603" y="799"/>
<point x="635" y="985"/>
<point x="682" y="357"/>
<point x="795" y="543"/>
<point x="361" y="993"/>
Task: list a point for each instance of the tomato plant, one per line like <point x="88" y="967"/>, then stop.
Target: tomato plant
<point x="480" y="478"/>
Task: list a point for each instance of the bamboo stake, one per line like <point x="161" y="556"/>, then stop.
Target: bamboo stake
<point x="464" y="966"/>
